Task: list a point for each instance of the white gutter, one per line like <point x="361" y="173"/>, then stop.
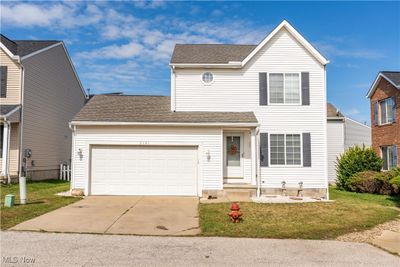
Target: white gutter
<point x="193" y="124"/>
<point x="232" y="64"/>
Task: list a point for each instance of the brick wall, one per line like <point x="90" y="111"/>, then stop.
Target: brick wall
<point x="385" y="134"/>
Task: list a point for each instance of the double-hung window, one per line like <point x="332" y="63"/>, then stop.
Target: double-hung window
<point x="386" y="111"/>
<point x="285" y="149"/>
<point x="284" y="88"/>
<point x="389" y="156"/>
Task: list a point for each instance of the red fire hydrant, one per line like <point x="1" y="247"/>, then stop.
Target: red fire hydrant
<point x="235" y="213"/>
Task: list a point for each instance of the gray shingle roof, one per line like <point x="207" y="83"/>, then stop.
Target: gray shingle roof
<point x="122" y="108"/>
<point x="5" y="109"/>
<point x="332" y="111"/>
<point x="25" y="47"/>
<point x="394" y="76"/>
<point x="210" y="53"/>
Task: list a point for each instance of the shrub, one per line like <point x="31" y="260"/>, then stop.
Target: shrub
<point x="363" y="182"/>
<point x="395" y="183"/>
<point x="356" y="159"/>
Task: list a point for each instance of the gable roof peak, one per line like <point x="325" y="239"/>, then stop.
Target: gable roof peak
<point x="233" y="55"/>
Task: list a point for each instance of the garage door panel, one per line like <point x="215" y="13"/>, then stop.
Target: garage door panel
<point x="143" y="170"/>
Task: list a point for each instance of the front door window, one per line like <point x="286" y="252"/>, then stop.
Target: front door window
<point x="233" y="151"/>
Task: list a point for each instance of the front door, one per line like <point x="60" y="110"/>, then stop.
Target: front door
<point x="233" y="159"/>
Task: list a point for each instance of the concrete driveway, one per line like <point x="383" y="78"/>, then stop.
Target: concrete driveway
<point x="139" y="215"/>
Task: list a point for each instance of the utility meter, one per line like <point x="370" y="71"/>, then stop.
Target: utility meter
<point x="28" y="153"/>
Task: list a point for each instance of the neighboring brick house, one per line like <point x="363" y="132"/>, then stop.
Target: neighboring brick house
<point x="385" y="114"/>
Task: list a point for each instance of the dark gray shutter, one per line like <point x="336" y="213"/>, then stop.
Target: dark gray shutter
<point x="3" y="83"/>
<point x="305" y="88"/>
<point x="264" y="149"/>
<point x="263" y="84"/>
<point x="395" y="162"/>
<point x="376" y="117"/>
<point x="394" y="109"/>
<point x="306" y="149"/>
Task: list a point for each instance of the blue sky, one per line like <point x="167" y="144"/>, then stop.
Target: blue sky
<point x="126" y="46"/>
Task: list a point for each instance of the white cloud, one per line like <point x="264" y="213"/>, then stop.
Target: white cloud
<point x="149" y="4"/>
<point x="65" y="15"/>
<point x="332" y="50"/>
<point x="124" y="51"/>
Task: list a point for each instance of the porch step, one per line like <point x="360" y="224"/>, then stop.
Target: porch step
<point x="239" y="186"/>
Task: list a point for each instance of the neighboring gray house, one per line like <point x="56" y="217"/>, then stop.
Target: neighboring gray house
<point x="343" y="133"/>
<point x="40" y="94"/>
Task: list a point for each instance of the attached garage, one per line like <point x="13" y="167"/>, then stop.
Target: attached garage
<point x="143" y="170"/>
<point x="135" y="145"/>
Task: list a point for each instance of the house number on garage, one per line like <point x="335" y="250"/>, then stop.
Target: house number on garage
<point x="144" y="142"/>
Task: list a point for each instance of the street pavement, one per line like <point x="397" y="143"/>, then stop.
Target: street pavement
<point x="59" y="249"/>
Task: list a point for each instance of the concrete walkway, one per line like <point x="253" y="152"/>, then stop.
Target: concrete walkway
<point x="51" y="249"/>
<point x="121" y="215"/>
<point x="388" y="240"/>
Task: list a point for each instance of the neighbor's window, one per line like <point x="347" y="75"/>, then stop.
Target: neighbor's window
<point x="285" y="149"/>
<point x="284" y="88"/>
<point x="389" y="156"/>
<point x="207" y="77"/>
<point x="386" y="110"/>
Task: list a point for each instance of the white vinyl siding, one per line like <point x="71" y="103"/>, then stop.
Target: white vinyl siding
<point x="208" y="140"/>
<point x="341" y="136"/>
<point x="336" y="140"/>
<point x="238" y="90"/>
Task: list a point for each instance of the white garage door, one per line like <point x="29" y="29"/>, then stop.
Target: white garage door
<point x="144" y="170"/>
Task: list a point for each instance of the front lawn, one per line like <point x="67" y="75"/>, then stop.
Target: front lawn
<point x="41" y="199"/>
<point x="349" y="213"/>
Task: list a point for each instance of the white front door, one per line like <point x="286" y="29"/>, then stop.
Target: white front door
<point x="144" y="170"/>
<point x="233" y="156"/>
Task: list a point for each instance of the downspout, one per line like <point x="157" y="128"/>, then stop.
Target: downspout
<point x="6" y="151"/>
<point x="73" y="129"/>
<point x="326" y="138"/>
<point x="173" y="90"/>
<point x="258" y="172"/>
<point x="21" y="122"/>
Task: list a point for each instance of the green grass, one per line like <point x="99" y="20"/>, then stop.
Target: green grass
<point x="349" y="213"/>
<point x="41" y="199"/>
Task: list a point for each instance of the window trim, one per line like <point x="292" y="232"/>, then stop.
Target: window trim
<point x="205" y="83"/>
<point x="285" y="165"/>
<point x="284" y="89"/>
<point x="380" y="111"/>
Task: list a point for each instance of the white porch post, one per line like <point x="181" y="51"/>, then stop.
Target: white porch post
<point x="4" y="163"/>
<point x="253" y="156"/>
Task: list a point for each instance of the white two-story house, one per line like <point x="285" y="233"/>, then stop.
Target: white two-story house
<point x="240" y="117"/>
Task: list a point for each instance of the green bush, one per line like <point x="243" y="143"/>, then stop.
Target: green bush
<point x="356" y="159"/>
<point x="364" y="182"/>
<point x="374" y="182"/>
<point x="395" y="183"/>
